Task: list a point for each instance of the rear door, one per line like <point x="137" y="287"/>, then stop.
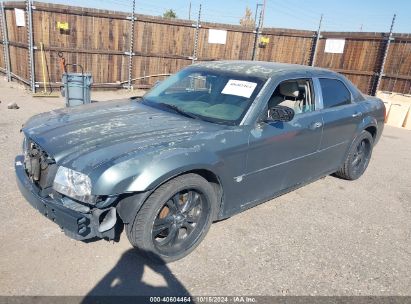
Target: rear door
<point x="341" y="116"/>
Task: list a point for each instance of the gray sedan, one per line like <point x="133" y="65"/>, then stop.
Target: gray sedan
<point x="208" y="142"/>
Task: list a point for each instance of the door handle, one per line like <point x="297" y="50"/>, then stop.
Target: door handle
<point x="357" y="114"/>
<point x="316" y="125"/>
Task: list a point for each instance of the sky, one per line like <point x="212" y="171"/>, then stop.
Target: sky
<point x="342" y="15"/>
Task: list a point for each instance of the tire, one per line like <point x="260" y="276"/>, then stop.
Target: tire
<point x="174" y="219"/>
<point x="358" y="157"/>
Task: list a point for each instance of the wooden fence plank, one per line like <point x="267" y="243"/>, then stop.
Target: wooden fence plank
<point x="99" y="40"/>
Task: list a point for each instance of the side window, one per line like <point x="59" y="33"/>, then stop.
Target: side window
<point x="335" y="93"/>
<point x="296" y="94"/>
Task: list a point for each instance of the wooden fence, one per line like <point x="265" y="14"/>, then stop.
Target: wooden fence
<point x="101" y="40"/>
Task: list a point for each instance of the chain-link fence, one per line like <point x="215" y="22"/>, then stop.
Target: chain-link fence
<point x="125" y="49"/>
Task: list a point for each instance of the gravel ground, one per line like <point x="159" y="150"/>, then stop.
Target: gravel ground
<point x="332" y="237"/>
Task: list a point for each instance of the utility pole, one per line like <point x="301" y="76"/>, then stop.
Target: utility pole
<point x="257" y="33"/>
<point x="384" y="58"/>
<point x="189" y="11"/>
<point x="317" y="39"/>
<point x="263" y="14"/>
<point x="256" y="12"/>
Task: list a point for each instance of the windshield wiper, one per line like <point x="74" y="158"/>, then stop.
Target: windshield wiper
<point x="178" y="110"/>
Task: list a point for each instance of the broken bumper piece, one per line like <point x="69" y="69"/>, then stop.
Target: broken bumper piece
<point x="75" y="224"/>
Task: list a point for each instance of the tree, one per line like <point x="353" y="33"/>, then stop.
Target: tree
<point x="247" y="20"/>
<point x="170" y="14"/>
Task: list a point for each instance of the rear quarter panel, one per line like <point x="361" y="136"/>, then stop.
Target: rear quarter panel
<point x="374" y="115"/>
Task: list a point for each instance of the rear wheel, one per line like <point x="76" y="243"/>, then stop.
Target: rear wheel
<point x="358" y="157"/>
<point x="174" y="219"/>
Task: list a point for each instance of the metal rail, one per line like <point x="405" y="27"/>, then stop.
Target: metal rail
<point x="130" y="53"/>
<point x="32" y="78"/>
<point x="197" y="26"/>
<point x="317" y="40"/>
<point x="5" y="41"/>
<point x="384" y="59"/>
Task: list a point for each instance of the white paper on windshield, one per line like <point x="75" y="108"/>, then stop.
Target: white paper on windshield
<point x="239" y="88"/>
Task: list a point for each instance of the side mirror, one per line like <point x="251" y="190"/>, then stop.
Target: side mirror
<point x="281" y="113"/>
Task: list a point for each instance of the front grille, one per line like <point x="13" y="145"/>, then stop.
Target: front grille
<point x="40" y="167"/>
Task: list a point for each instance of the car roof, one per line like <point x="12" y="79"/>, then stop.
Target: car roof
<point x="261" y="68"/>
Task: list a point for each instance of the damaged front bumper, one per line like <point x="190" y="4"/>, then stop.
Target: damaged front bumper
<point x="78" y="225"/>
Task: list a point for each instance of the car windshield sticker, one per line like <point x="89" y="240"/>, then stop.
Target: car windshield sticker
<point x="239" y="88"/>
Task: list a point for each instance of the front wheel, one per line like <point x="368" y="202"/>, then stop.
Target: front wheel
<point x="174" y="219"/>
<point x="358" y="157"/>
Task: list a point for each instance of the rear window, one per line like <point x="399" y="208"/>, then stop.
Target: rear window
<point x="335" y="93"/>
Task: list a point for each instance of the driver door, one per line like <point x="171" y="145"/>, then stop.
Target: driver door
<point x="284" y="154"/>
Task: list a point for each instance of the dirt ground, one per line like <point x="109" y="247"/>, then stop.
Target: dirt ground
<point x="332" y="237"/>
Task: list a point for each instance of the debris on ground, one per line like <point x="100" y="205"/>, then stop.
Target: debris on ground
<point x="13" y="105"/>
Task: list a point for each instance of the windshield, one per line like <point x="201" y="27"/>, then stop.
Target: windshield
<point x="215" y="96"/>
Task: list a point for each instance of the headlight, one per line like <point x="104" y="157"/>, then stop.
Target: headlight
<point x="25" y="146"/>
<point x="73" y="184"/>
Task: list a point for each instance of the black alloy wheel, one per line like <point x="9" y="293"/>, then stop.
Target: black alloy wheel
<point x="361" y="156"/>
<point x="358" y="157"/>
<point x="179" y="221"/>
<point x="174" y="219"/>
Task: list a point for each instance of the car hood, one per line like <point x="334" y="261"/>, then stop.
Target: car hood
<point x="85" y="137"/>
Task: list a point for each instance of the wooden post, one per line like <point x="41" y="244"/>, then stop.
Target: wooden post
<point x="5" y="38"/>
